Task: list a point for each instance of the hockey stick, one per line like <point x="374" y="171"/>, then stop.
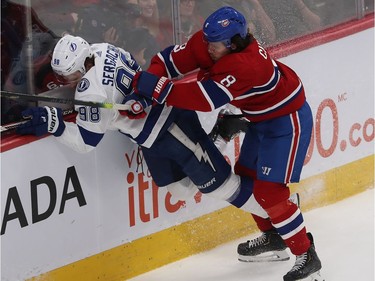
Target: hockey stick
<point x="107" y="105"/>
<point x="12" y="126"/>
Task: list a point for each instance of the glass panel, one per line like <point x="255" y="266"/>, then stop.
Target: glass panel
<point x="139" y="26"/>
<point x="142" y="27"/>
<point x="334" y="12"/>
<point x="274" y="21"/>
<point x="191" y="18"/>
<point x="25" y="47"/>
<point x="369" y="6"/>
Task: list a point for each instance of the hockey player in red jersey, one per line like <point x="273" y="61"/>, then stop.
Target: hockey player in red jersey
<point x="234" y="68"/>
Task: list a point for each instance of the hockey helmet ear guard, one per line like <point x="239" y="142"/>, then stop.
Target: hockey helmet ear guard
<point x="223" y="24"/>
<point x="69" y="55"/>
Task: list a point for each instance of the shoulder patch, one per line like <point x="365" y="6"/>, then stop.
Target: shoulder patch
<point x="83" y="85"/>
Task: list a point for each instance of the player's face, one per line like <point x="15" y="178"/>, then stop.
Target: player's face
<point x="217" y="50"/>
<point x="71" y="79"/>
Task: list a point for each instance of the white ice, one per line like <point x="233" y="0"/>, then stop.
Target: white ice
<point x="344" y="240"/>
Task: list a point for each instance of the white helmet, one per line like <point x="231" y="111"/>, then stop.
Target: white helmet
<point x="70" y="54"/>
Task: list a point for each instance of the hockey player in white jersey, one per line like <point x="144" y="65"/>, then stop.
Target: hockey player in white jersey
<point x="177" y="150"/>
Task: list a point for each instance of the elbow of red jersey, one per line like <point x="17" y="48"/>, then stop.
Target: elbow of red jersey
<point x="215" y="94"/>
<point x="200" y="96"/>
<point x="162" y="64"/>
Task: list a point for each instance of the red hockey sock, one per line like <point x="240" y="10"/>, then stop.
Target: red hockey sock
<point x="285" y="216"/>
<point x="263" y="224"/>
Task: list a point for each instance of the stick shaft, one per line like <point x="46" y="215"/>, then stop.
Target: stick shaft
<point x="15" y="125"/>
<point x="63" y="101"/>
<point x="12" y="126"/>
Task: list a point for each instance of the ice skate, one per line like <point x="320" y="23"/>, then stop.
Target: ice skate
<point x="268" y="247"/>
<point x="307" y="266"/>
<point x="265" y="248"/>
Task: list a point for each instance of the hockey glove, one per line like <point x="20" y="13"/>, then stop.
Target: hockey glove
<point x="228" y="126"/>
<point x="43" y="120"/>
<point x="151" y="86"/>
<point x="137" y="105"/>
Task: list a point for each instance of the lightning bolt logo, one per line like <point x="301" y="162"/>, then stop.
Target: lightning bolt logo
<point x="202" y="154"/>
<point x="197" y="149"/>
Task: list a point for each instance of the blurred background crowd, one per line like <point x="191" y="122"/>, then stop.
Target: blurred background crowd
<point x="30" y="29"/>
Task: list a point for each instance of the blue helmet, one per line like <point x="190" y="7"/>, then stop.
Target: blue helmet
<point x="223" y="24"/>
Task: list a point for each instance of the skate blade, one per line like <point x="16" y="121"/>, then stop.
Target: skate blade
<point x="313" y="277"/>
<point x="266" y="257"/>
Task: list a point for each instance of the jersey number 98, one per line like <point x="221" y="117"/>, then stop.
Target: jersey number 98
<point x="90" y="114"/>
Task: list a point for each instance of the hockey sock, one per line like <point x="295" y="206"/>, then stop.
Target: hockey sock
<point x="263" y="224"/>
<point x="285" y="216"/>
<point x="287" y="219"/>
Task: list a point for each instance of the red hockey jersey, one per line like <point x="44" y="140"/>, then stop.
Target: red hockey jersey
<point x="262" y="88"/>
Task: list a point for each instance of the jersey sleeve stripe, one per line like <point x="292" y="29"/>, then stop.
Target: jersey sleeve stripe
<point x="159" y="118"/>
<point x="267" y="87"/>
<point x="166" y="57"/>
<point x="177" y="72"/>
<point x="89" y="137"/>
<point x="277" y="105"/>
<point x="215" y="93"/>
<point x="160" y="56"/>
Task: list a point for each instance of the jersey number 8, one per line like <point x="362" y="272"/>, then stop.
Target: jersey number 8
<point x="227" y="81"/>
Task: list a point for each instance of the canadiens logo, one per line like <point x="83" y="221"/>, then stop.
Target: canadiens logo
<point x="224" y="23"/>
<point x="83" y="85"/>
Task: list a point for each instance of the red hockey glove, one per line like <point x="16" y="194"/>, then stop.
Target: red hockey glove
<point x="151" y="86"/>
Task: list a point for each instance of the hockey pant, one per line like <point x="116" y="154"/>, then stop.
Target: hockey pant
<point x="185" y="160"/>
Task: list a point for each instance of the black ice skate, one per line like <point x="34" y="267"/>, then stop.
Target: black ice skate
<point x="267" y="247"/>
<point x="307" y="266"/>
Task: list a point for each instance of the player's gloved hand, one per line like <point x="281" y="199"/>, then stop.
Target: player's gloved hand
<point x="151" y="86"/>
<point x="228" y="126"/>
<point x="137" y="105"/>
<point x="43" y="120"/>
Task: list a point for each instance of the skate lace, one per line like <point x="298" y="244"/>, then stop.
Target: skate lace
<point x="257" y="241"/>
<point x="300" y="262"/>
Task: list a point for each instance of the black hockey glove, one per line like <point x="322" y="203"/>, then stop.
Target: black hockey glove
<point x="43" y="120"/>
<point x="228" y="126"/>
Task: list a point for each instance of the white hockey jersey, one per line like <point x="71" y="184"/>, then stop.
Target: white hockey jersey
<point x="110" y="81"/>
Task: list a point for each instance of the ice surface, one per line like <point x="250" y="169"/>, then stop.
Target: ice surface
<point x="344" y="240"/>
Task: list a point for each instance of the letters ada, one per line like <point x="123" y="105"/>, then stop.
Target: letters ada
<point x="37" y="215"/>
